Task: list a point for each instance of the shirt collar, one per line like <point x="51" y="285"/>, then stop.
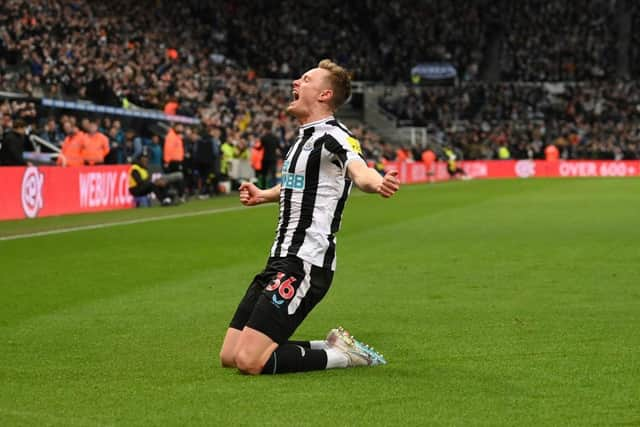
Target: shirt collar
<point x="317" y="122"/>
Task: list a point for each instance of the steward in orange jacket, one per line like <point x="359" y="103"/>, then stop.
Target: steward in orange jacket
<point x="96" y="146"/>
<point x="551" y="153"/>
<point x="72" y="146"/>
<point x="173" y="151"/>
<point x="429" y="160"/>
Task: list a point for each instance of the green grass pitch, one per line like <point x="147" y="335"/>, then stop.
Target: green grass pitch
<point x="495" y="302"/>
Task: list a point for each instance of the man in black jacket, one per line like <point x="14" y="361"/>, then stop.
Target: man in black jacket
<point x="270" y="159"/>
<point x="13" y="145"/>
<point x="204" y="156"/>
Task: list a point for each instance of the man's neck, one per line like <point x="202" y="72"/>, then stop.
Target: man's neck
<point x="315" y="117"/>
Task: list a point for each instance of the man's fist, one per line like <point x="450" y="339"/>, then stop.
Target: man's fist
<point x="250" y="195"/>
<point x="390" y="184"/>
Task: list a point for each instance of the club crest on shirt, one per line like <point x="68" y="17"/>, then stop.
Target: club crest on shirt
<point x="308" y="146"/>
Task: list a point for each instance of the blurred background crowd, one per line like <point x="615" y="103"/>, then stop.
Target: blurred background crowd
<point x="529" y="74"/>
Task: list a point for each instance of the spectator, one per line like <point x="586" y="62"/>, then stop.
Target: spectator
<point x="131" y="148"/>
<point x="269" y="142"/>
<point x="551" y="153"/>
<point x="227" y="153"/>
<point x="428" y="157"/>
<point x="73" y="146"/>
<point x="403" y="154"/>
<point x="96" y="145"/>
<point x="171" y="107"/>
<point x="52" y="135"/>
<point x="12" y="146"/>
<point x="155" y="152"/>
<point x="214" y="135"/>
<point x="203" y="159"/>
<point x="257" y="155"/>
<point x="173" y="150"/>
<point x="115" y="154"/>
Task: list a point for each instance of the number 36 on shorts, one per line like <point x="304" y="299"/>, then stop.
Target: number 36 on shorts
<point x="281" y="289"/>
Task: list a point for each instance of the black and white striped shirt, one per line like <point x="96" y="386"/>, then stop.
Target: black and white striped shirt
<point x="314" y="190"/>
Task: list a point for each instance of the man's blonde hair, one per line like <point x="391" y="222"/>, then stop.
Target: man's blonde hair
<point x="340" y="82"/>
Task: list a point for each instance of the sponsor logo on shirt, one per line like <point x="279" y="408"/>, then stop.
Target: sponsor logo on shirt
<point x="354" y="144"/>
<point x="292" y="181"/>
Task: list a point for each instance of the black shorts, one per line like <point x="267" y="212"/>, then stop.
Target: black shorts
<point x="281" y="296"/>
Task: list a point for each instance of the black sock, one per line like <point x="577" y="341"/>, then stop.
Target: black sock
<point x="305" y="344"/>
<point x="292" y="358"/>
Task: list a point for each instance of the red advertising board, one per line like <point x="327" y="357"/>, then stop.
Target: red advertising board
<point x="416" y="172"/>
<point x="29" y="192"/>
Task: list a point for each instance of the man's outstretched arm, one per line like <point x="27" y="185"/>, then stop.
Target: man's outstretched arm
<point x="250" y="195"/>
<point x="370" y="181"/>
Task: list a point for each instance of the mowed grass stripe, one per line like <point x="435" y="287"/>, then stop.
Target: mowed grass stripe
<point x="496" y="303"/>
<point x="120" y="223"/>
<point x="26" y="228"/>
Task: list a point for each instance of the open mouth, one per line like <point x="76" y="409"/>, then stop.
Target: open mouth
<point x="295" y="95"/>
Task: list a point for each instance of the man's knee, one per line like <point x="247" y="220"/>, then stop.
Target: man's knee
<point x="227" y="359"/>
<point x="229" y="348"/>
<point x="248" y="363"/>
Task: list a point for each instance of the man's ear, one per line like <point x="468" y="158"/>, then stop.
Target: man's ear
<point x="325" y="95"/>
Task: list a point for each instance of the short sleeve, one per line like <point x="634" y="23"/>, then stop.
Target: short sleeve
<point x="345" y="149"/>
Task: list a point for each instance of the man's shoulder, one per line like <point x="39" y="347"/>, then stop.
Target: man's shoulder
<point x="340" y="138"/>
<point x="338" y="129"/>
<point x="12" y="135"/>
<point x="80" y="137"/>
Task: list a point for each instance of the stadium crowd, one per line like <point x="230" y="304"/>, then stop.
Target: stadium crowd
<point x="203" y="59"/>
<point x="160" y="52"/>
<point x="374" y="46"/>
<point x="599" y="121"/>
<point x="558" y="41"/>
<point x="88" y="50"/>
<point x="634" y="43"/>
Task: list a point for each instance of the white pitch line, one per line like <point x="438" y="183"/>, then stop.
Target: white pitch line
<point x="135" y="221"/>
<point x="128" y="222"/>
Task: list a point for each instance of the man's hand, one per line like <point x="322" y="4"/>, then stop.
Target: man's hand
<point x="369" y="180"/>
<point x="390" y="184"/>
<point x="250" y="195"/>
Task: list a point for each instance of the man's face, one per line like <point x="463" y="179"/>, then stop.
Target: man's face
<point x="6" y="121"/>
<point x="308" y="91"/>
